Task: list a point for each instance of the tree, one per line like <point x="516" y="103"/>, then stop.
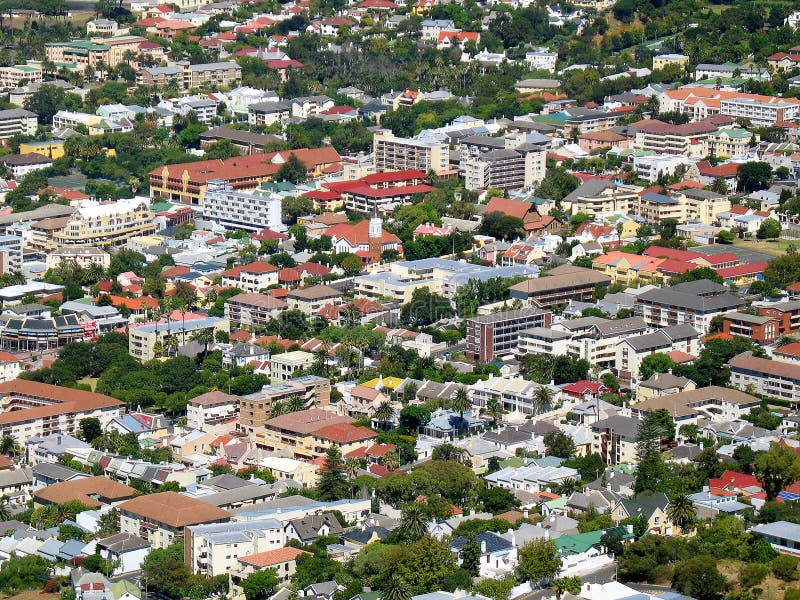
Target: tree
<point x="48" y="100"/>
<point x="351" y="265"/>
<point x="650" y="472"/>
<point x="655" y="363"/>
<point x="332" y="483"/>
<point x="769" y="229"/>
<point x="569" y="585"/>
<point x="538" y="560"/>
<point x="90" y="429"/>
<point x="784" y="567"/>
<point x="559" y="444"/>
<point x="425" y="308"/>
<point x="396" y="588"/>
<point x="413" y="522"/>
<point x="497" y="500"/>
<point x="681" y="511"/>
<point x="777" y="468"/>
<point x="23" y="573"/>
<point x="293" y="170"/>
<point x="384" y="413"/>
<point x="501" y="226"/>
<point x="165" y="572"/>
<point x="470" y="556"/>
<point x="699" y="578"/>
<point x="753" y="176"/>
<point x="425" y="565"/>
<point x="9" y="445"/>
<point x="260" y="585"/>
<point x="496" y="589"/>
<point x="461" y="403"/>
<point x="752" y="575"/>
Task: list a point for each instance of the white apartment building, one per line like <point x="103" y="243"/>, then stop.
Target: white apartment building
<point x="514" y="394"/>
<point x="543" y="340"/>
<point x="541" y="59"/>
<point x="210" y="408"/>
<point x="83" y="256"/>
<point x="632" y="351"/>
<point x="214" y="549"/>
<point x="254" y="277"/>
<point x="285" y="365"/>
<point x="651" y="167"/>
<point x="107" y="222"/>
<point x="761" y="114"/>
<point x="596" y="339"/>
<point x="403" y="154"/>
<point x="239" y="210"/>
<point x="17" y="121"/>
<point x="10" y="253"/>
<point x="505" y="169"/>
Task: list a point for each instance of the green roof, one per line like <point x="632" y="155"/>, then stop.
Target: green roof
<point x="736" y="133"/>
<point x="557" y="503"/>
<point x="27" y="68"/>
<point x="558" y="118"/>
<point x="122" y="586"/>
<point x="578" y="543"/>
<point x="512" y="462"/>
<point x="732" y="81"/>
<point x="277" y="186"/>
<point x="548" y="461"/>
<point x="160" y="206"/>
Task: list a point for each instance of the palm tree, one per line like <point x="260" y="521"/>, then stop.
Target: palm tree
<point x="182" y="308"/>
<point x="351" y="466"/>
<point x="542" y="397"/>
<point x="294" y="404"/>
<point x="93" y="273"/>
<point x="567" y="487"/>
<point x="173" y="344"/>
<point x="392" y="460"/>
<point x="277" y="409"/>
<point x="413" y="522"/>
<point x="681" y="511"/>
<point x="5" y="515"/>
<point x="350" y="316"/>
<point x="383" y="414"/>
<point x="461" y="404"/>
<point x="320" y="365"/>
<point x="396" y="588"/>
<point x="158" y="349"/>
<point x="205" y="337"/>
<point x="495" y="410"/>
<point x="9" y="446"/>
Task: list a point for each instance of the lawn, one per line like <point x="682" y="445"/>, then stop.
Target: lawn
<point x="776" y="247"/>
<point x="90" y="381"/>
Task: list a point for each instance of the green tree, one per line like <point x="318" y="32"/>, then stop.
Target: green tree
<point x="501" y="226"/>
<point x="413" y="522"/>
<point x="650" y="472"/>
<point x="699" y="578"/>
<point x="496" y="589"/>
<point x="396" y="588"/>
<point x="332" y="483"/>
<point x="569" y="585"/>
<point x="681" y="511"/>
<point x="90" y="429"/>
<point x="351" y="265"/>
<point x="260" y="585"/>
<point x="470" y="556"/>
<point x="166" y="573"/>
<point x="426" y="564"/>
<point x="23" y="573"/>
<point x="538" y="560"/>
<point x="559" y="444"/>
<point x="753" y="176"/>
<point x="752" y="575"/>
<point x="769" y="229"/>
<point x="784" y="567"/>
<point x="293" y="170"/>
<point x="655" y="363"/>
<point x="777" y="468"/>
<point x="425" y="308"/>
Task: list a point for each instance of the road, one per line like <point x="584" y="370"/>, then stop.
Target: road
<point x="601" y="575"/>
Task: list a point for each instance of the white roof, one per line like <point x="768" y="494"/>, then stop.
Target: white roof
<point x="91" y="209"/>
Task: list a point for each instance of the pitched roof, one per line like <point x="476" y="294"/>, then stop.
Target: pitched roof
<point x="272" y="557"/>
<point x="86" y="491"/>
<point x="64" y="400"/>
<point x="514" y="208"/>
<point x="174" y="509"/>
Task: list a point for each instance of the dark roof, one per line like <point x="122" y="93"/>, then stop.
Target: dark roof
<point x="646" y="504"/>
<point x="494" y="543"/>
<point x="308" y="527"/>
<point x="363" y="536"/>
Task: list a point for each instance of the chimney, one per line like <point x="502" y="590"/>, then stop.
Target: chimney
<point x="547" y="534"/>
<point x="483" y="547"/>
<point x="525" y="513"/>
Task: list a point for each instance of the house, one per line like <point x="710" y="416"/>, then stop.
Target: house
<point x="309" y="528"/>
<point x="211" y="408"/>
<point x="51" y="448"/>
<point x="282" y="560"/>
<point x="498" y="556"/>
<point x="253" y="277"/>
<point x="782" y="535"/>
<point x="654" y="508"/>
<point x="663" y="384"/>
<point x="126" y="550"/>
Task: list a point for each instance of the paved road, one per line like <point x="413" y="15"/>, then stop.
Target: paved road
<point x="601" y="575"/>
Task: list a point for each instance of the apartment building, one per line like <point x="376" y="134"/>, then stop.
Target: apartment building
<point x="665" y="138"/>
<point x="541" y="59"/>
<point x="162" y="518"/>
<point x="187" y="182"/>
<point x="497" y="334"/>
<point x="221" y="74"/>
<point x="693" y="303"/>
<point x="215" y="548"/>
<point x="255" y="408"/>
<point x="254" y="278"/>
<point x="713" y="403"/>
<point x="17" y="121"/>
<point x="284" y="366"/>
<point x="210" y="409"/>
<point x="268" y="113"/>
<point x="10" y="253"/>
<point x="240" y="210"/>
<point x="401" y="154"/>
<point x="596" y="339"/>
<point x="787" y="313"/>
<point x="730" y="142"/>
<point x="282" y="560"/>
<point x="311" y="299"/>
<point x="90" y="53"/>
<point x="771" y="378"/>
<point x="308" y="434"/>
<point x="542" y="340"/>
<point x="759" y="328"/>
<point x="703" y="205"/>
<point x="33" y="409"/>
<point x="147" y="342"/>
<point x="762" y="112"/>
<point x="252" y="309"/>
<point x="661" y="61"/>
<point x="559" y="286"/>
<point x="514" y="394"/>
<point x="614" y="439"/>
<point x="633" y="350"/>
<point x="600" y="196"/>
<point x="83" y="256"/>
<point x="111" y="223"/>
<point x="505" y="169"/>
<point x="17" y="75"/>
<point x="657" y="208"/>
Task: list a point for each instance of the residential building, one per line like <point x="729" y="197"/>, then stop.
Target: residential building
<point x="93" y="492"/>
<point x="311" y="299"/>
<point x="17" y="121"/>
<point x="401" y="154"/>
<point x="541" y="59"/>
<point x="125" y="550"/>
<point x="763" y="111"/>
<point x="713" y="403"/>
<point x="505" y="169"/>
<point x="782" y="535"/>
<point x="703" y="205"/>
<point x="32" y="409"/>
<point x="665" y="138"/>
<point x="90" y="54"/>
<point x="787" y="313"/>
<point x="10" y="254"/>
<point x="542" y="340"/>
<point x="211" y="409"/>
<point x="632" y="351"/>
<point x="309" y="433"/>
<point x="83" y="256"/>
<point x="497" y="334"/>
<point x="653" y="507"/>
<point x="268" y="113"/>
<point x="161" y="518"/>
<point x="239" y="210"/>
<point x="759" y="328"/>
<point x="111" y="223"/>
<point x="252" y="309"/>
<point x="255" y="408"/>
<point x="596" y="339"/>
<point x="52" y="448"/>
<point x="771" y="378"/>
<point x="657" y="208"/>
<point x="222" y="74"/>
<point x="283" y="366"/>
<point x="20" y="165"/>
<point x="614" y="439"/>
<point x="147" y="342"/>
<point x="17" y="75"/>
<point x="282" y="560"/>
<point x="599" y="196"/>
<point x="214" y="549"/>
<point x="514" y="394"/>
<point x="661" y="61"/>
<point x="253" y="278"/>
<point x="693" y="303"/>
<point x="559" y="286"/>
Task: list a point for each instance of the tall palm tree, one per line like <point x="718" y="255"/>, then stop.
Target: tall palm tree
<point x="295" y="403"/>
<point x="495" y="410"/>
<point x="392" y="460"/>
<point x="461" y="404"/>
<point x="277" y="409"/>
<point x="9" y="446"/>
<point x="383" y="414"/>
<point x="413" y="522"/>
<point x="5" y="515"/>
<point x="205" y="337"/>
<point x="681" y="511"/>
<point x="542" y="397"/>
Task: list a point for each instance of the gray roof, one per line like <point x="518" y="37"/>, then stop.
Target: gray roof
<point x="547" y="333"/>
<point x="626" y="427"/>
<point x="123" y="542"/>
<point x="645" y="505"/>
<point x="307" y="528"/>
<point x="54" y="471"/>
<point x="780" y="529"/>
<point x="663" y="381"/>
<point x="508" y="315"/>
<point x="690" y="300"/>
<point x="590" y="189"/>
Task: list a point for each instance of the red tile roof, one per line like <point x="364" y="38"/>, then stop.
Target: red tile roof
<point x="272" y="557"/>
<point x="514" y="208"/>
<point x="345" y="433"/>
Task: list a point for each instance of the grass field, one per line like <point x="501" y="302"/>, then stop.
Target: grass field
<point x="776" y="247"/>
<point x="90" y="381"/>
<point x="773" y="588"/>
<point x="31" y="595"/>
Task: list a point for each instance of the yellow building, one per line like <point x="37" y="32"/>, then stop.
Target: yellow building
<point x="52" y="149"/>
<point x="106" y="223"/>
<point x="627" y="268"/>
<point x="663" y="60"/>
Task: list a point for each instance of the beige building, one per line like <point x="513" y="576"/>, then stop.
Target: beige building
<point x="255" y="408"/>
<point x="214" y="549"/>
<point x="17" y="75"/>
<point x="661" y="61"/>
<point x="83" y="256"/>
<point x="210" y="409"/>
<point x="285" y="365"/>
<point x="144" y="340"/>
<point x="703" y="205"/>
<point x="283" y="561"/>
<point x="402" y="154"/>
<point x="107" y="223"/>
<point x="599" y="196"/>
<point x="655" y="508"/>
<point x="221" y="74"/>
<point x="161" y="518"/>
<point x="311" y="299"/>
<point x="299" y="471"/>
